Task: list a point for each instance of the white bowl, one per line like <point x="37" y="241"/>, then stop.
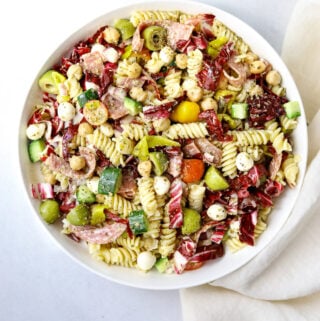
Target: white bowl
<point x="213" y="269"/>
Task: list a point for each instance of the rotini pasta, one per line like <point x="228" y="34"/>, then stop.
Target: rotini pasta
<point x="153" y="15"/>
<point x="277" y="138"/>
<point x="287" y="124"/>
<point x="108" y="147"/>
<point x="134" y="131"/>
<point x="147" y="195"/>
<point x="195" y="197"/>
<point x="291" y="170"/>
<point x="251" y="137"/>
<point x="191" y="130"/>
<point x="172" y="87"/>
<point x="220" y="30"/>
<point x="228" y="160"/>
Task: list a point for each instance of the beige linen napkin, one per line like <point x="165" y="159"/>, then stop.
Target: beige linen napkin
<point x="283" y="281"/>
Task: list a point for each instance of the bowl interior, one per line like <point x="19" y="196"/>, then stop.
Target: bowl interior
<point x="212" y="270"/>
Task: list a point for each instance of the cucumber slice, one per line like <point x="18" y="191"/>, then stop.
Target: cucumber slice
<point x="160" y="162"/>
<point x="138" y="222"/>
<point x="84" y="195"/>
<point x="239" y="110"/>
<point x="214" y="180"/>
<point x="162" y="264"/>
<point x="110" y="180"/>
<point x="35" y="149"/>
<point x="133" y="106"/>
<point x="292" y="109"/>
<point x="87" y="95"/>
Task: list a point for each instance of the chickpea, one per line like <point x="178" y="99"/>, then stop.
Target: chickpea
<point x="111" y="35"/>
<point x="273" y="78"/>
<point x="257" y="67"/>
<point x="144" y="168"/>
<point x="77" y="162"/>
<point x="107" y="129"/>
<point x="195" y="94"/>
<point x="161" y="124"/>
<point x="138" y="94"/>
<point x="134" y="70"/>
<point x="85" y="129"/>
<point x="250" y="57"/>
<point x="50" y="178"/>
<point x="182" y="61"/>
<point x="209" y="103"/>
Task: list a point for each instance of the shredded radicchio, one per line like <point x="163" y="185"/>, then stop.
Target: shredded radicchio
<point x="212" y="69"/>
<point x="159" y="111"/>
<point x="174" y="205"/>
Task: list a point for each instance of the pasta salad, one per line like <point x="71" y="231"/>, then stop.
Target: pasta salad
<point x="162" y="140"/>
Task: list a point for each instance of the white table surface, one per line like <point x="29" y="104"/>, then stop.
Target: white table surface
<point x="37" y="280"/>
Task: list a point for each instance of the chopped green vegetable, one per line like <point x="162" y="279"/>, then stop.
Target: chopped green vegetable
<point x="141" y="150"/>
<point x="84" y="195"/>
<point x="79" y="215"/>
<point x="162" y="264"/>
<point x="215" y="46"/>
<point x="160" y="162"/>
<point x="133" y="106"/>
<point x="292" y="109"/>
<point x="110" y="180"/>
<point x="35" y="149"/>
<point x="155" y="140"/>
<point x="127" y="52"/>
<point x="239" y="110"/>
<point x="191" y="221"/>
<point x="49" y="211"/>
<point x="125" y="27"/>
<point x="214" y="180"/>
<point x="87" y="95"/>
<point x="138" y="222"/>
<point x="50" y="80"/>
<point x="97" y="214"/>
<point x="233" y="123"/>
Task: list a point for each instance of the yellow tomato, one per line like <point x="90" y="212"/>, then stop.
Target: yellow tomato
<point x="186" y="112"/>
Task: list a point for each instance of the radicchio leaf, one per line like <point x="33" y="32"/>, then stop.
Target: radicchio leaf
<point x="174" y="205"/>
<point x="248" y="222"/>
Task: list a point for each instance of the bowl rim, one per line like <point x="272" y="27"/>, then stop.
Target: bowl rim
<point x="178" y="281"/>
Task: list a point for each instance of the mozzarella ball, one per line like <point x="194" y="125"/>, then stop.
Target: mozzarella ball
<point x="161" y="185"/>
<point x="146" y="260"/>
<point x="110" y="54"/>
<point x="107" y="129"/>
<point x="166" y="55"/>
<point x="35" y="131"/>
<point x="66" y="111"/>
<point x="98" y="47"/>
<point x="209" y="103"/>
<point x="161" y="124"/>
<point x="244" y="162"/>
<point x="217" y="212"/>
<point x="93" y="183"/>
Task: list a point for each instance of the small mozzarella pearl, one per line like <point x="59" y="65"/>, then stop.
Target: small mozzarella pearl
<point x="161" y="185"/>
<point x="244" y="162"/>
<point x="217" y="212"/>
<point x="66" y="111"/>
<point x="35" y="131"/>
<point x="146" y="260"/>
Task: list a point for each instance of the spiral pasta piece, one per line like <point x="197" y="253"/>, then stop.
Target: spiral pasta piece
<point x="153" y="15"/>
<point x="228" y="160"/>
<point x="108" y="147"/>
<point x="147" y="195"/>
<point x="194" y="64"/>
<point x="191" y="130"/>
<point x="287" y="124"/>
<point x="134" y="131"/>
<point x="220" y="30"/>
<point x="117" y="203"/>
<point x="133" y="243"/>
<point x="291" y="170"/>
<point x="277" y="138"/>
<point x="167" y="241"/>
<point x="172" y="87"/>
<point x="117" y="256"/>
<point x="251" y="137"/>
<point x="48" y="174"/>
